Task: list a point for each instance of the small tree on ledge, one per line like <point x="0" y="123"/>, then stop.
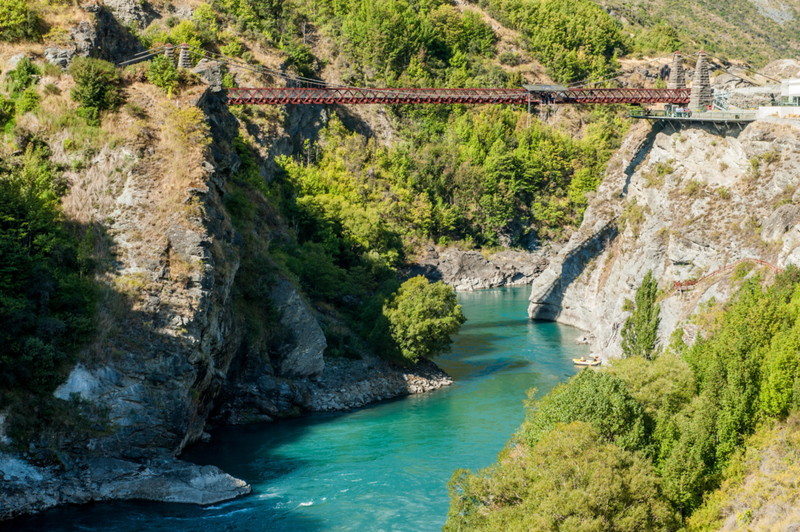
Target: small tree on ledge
<point x="640" y="333"/>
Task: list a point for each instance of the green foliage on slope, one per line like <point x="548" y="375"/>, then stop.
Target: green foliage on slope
<point x="573" y="479"/>
<point x="694" y="408"/>
<point x="736" y="29"/>
<point x="46" y="301"/>
<point x="575" y="40"/>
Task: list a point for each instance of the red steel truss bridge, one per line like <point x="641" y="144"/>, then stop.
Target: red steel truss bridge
<point x="306" y="91"/>
<point x="535" y="94"/>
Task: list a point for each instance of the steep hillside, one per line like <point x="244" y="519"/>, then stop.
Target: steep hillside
<point x="756" y="31"/>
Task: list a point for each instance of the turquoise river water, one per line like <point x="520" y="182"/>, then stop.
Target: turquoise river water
<point x="381" y="468"/>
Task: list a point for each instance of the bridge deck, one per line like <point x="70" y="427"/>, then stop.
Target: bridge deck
<point x="349" y="95"/>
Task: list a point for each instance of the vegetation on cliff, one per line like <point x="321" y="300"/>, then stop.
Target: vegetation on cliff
<point x="687" y="415"/>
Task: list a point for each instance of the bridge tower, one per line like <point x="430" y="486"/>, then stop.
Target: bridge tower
<point x="677" y="77"/>
<point x="184" y="60"/>
<point x="169" y="53"/>
<point x="702" y="95"/>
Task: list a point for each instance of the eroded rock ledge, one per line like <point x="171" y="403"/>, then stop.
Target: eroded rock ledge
<point x="345" y="384"/>
<point x="28" y="489"/>
<point x="470" y="270"/>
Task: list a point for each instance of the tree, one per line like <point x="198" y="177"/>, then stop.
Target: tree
<point x="422" y="317"/>
<point x="96" y="86"/>
<point x="18" y="21"/>
<point x="598" y="398"/>
<point x="640" y="333"/>
<point x="162" y="73"/>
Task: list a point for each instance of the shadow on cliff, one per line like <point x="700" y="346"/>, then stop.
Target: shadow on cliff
<point x="574" y="263"/>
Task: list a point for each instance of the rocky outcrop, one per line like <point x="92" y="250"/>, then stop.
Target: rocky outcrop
<point x="29" y="489"/>
<point x="682" y="203"/>
<point x="102" y="37"/>
<point x="301" y="355"/>
<point x="258" y="396"/>
<point x="470" y="270"/>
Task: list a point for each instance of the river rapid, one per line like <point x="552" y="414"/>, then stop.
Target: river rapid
<point x="381" y="468"/>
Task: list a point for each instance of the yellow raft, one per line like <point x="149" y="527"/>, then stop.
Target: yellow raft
<point x="583" y="362"/>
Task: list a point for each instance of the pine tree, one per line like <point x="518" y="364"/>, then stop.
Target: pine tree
<point x="639" y="335"/>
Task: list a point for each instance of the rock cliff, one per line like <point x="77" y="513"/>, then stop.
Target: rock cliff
<point x="470" y="270"/>
<point x="683" y="203"/>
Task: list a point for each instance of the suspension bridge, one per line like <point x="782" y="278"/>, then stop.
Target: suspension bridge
<point x="306" y="91"/>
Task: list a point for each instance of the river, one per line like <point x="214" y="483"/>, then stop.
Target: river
<point x="381" y="468"/>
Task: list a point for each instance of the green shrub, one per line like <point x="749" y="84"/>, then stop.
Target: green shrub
<point x="96" y="86"/>
<point x="27" y="101"/>
<point x="163" y="73"/>
<point x="600" y="399"/>
<point x="22" y="77"/>
<point x="18" y="22"/>
<point x="573" y="479"/>
<point x="232" y="49"/>
<point x="509" y="58"/>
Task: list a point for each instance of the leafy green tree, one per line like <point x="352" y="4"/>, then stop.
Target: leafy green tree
<point x="640" y="332"/>
<point x="598" y="398"/>
<point x="572" y="479"/>
<point x="18" y="22"/>
<point x="422" y="317"/>
<point x="163" y="73"/>
<point x="96" y="86"/>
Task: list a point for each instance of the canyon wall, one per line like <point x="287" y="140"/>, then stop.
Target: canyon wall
<point x="684" y="203"/>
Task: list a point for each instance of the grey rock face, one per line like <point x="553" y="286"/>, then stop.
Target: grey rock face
<point x="469" y="270"/>
<point x="302" y="355"/>
<point x="132" y="12"/>
<point x="779" y="222"/>
<point x="210" y="72"/>
<point x="708" y="209"/>
<point x="102" y="37"/>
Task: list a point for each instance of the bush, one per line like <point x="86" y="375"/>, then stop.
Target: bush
<point x="600" y="399"/>
<point x="18" y="21"/>
<point x="640" y="333"/>
<point x="27" y="101"/>
<point x="163" y="73"/>
<point x="422" y="317"/>
<point x="96" y="86"/>
<point x="510" y="58"/>
<point x="22" y="77"/>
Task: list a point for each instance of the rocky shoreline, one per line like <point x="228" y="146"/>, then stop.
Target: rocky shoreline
<point x="344" y="385"/>
<point x="470" y="270"/>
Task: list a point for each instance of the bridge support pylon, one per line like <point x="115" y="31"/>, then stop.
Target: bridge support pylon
<point x="184" y="59"/>
<point x="169" y="53"/>
<point x="702" y="95"/>
<point x="677" y="77"/>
